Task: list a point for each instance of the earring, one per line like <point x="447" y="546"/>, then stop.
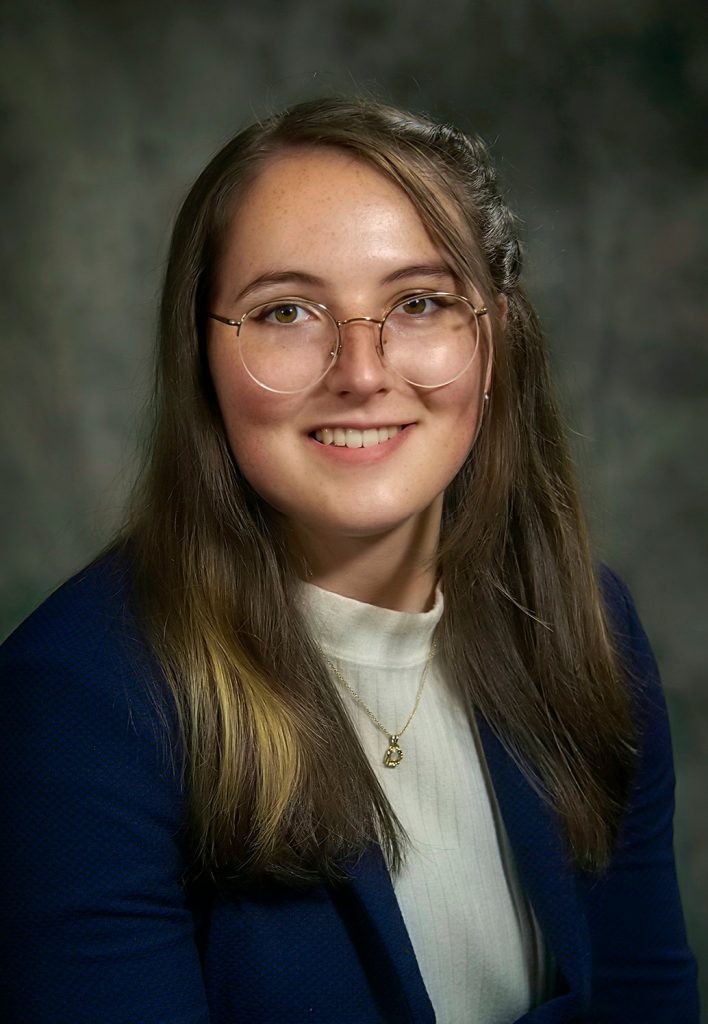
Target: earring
<point x="486" y="396"/>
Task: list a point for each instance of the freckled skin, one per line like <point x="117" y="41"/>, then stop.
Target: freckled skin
<point x="325" y="213"/>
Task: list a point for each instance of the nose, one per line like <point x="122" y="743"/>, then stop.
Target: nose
<point x="359" y="367"/>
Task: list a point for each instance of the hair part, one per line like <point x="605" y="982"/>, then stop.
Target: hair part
<point x="277" y="783"/>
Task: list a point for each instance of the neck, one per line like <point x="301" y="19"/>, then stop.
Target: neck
<point x="395" y="570"/>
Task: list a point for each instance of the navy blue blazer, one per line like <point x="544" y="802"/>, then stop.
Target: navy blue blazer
<point x="99" y="927"/>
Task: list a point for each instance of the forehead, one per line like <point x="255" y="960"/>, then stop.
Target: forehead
<point x="315" y="175"/>
<point x="321" y="204"/>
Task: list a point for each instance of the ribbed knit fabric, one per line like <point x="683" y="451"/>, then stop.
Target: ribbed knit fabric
<point x="478" y="946"/>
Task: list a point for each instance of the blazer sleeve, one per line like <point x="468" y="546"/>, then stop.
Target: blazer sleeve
<point x="643" y="970"/>
<point x="96" y="924"/>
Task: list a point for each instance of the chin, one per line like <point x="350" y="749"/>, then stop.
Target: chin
<point x="354" y="527"/>
<point x="371" y="523"/>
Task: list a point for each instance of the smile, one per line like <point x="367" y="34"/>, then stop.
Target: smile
<point x="350" y="437"/>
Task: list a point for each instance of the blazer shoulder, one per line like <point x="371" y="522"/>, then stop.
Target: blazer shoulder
<point x="634" y="909"/>
<point x="98" y="921"/>
<point x="89" y="604"/>
<point x="84" y="644"/>
<point x="630" y="640"/>
<point x="615" y="595"/>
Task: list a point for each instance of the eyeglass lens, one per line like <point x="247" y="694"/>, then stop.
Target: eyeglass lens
<point x="428" y="340"/>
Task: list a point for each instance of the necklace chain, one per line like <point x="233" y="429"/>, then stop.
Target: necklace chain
<point x="394" y="754"/>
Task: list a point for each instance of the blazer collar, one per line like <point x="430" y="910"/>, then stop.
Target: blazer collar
<point x="546" y="874"/>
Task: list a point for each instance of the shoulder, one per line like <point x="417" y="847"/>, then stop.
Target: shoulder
<point x="639" y="664"/>
<point x="79" y="662"/>
<point x="93" y="849"/>
<point x="78" y="615"/>
<point x="634" y="909"/>
<point x="620" y="610"/>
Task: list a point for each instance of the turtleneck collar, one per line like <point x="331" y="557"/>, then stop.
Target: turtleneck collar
<point x="353" y="631"/>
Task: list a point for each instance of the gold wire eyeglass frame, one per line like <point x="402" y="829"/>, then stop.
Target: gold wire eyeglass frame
<point x="477" y="311"/>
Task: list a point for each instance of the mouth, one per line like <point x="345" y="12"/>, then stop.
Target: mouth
<point x="351" y="437"/>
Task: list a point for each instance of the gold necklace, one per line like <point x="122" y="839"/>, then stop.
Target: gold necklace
<point x="394" y="754"/>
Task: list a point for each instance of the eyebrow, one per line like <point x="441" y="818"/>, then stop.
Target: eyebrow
<point x="434" y="270"/>
<point x="301" y="277"/>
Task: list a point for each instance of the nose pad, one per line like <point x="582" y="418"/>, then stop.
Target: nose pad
<point x="376" y="324"/>
<point x="353" y="350"/>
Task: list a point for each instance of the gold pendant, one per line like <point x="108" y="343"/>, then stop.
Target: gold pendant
<point x="394" y="754"/>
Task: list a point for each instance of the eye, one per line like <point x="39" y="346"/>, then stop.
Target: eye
<point x="288" y="313"/>
<point x="416" y="305"/>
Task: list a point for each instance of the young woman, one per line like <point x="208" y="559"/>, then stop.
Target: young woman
<point x="346" y="726"/>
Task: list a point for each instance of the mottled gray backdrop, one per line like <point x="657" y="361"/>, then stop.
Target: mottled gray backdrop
<point x="596" y="111"/>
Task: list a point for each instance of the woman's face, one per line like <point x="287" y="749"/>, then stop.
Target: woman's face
<point x="323" y="225"/>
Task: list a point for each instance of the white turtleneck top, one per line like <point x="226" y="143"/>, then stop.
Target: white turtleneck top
<point x="477" y="943"/>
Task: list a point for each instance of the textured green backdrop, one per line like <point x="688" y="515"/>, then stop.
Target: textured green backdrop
<point x="596" y="111"/>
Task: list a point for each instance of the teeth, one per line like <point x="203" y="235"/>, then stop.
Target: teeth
<point x="352" y="438"/>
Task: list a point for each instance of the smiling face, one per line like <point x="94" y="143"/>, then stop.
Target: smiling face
<point x="322" y="224"/>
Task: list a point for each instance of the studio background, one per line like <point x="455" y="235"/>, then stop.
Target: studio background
<point x="596" y="114"/>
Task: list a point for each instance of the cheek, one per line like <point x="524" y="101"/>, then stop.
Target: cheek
<point x="255" y="421"/>
<point x="254" y="444"/>
<point x="459" y="419"/>
<point x="458" y="411"/>
<point x="241" y="400"/>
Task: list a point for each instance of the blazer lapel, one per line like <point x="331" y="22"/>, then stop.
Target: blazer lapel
<point x="369" y="903"/>
<point x="545" y="873"/>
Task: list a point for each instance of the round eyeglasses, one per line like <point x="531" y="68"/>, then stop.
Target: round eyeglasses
<point x="288" y="344"/>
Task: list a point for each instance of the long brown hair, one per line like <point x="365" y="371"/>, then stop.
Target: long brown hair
<point x="276" y="780"/>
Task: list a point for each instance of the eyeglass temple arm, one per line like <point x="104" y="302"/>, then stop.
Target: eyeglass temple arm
<point x="224" y="320"/>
